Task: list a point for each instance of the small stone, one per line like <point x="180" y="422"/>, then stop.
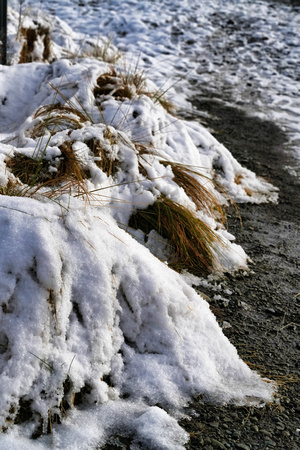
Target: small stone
<point x="266" y="433"/>
<point x="236" y="434"/>
<point x="217" y="444"/>
<point x="286" y="433"/>
<point x="270" y="442"/>
<point x="214" y="424"/>
<point x="255" y="428"/>
<point x="242" y="446"/>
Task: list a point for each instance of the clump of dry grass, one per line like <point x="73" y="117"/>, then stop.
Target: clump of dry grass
<point x="103" y="159"/>
<point x="29" y="170"/>
<point x="105" y="51"/>
<point x="127" y="85"/>
<point x="12" y="188"/>
<point x="192" y="242"/>
<point x="186" y="177"/>
<point x="30" y="37"/>
<point x="34" y="173"/>
<point x="120" y="85"/>
<point x="57" y="117"/>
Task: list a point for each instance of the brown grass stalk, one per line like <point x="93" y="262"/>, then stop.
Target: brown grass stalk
<point x="193" y="244"/>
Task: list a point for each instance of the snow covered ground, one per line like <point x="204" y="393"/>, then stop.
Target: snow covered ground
<point x="248" y="49"/>
<point x="92" y="316"/>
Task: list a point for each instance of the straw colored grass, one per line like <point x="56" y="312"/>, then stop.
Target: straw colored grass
<point x="192" y="242"/>
<point x="120" y="85"/>
<point x="186" y="177"/>
<point x="57" y="117"/>
<point x="103" y="159"/>
<point x="29" y="170"/>
<point x="12" y="188"/>
<point x="128" y="85"/>
<point x="105" y="51"/>
<point x="67" y="177"/>
<point x="30" y="37"/>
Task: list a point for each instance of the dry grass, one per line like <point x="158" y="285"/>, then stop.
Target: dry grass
<point x="192" y="242"/>
<point x="29" y="170"/>
<point x="30" y="37"/>
<point x="57" y="117"/>
<point x="34" y="173"/>
<point x="12" y="188"/>
<point x="128" y="85"/>
<point x="186" y="177"/>
<point x="103" y="159"/>
<point x="104" y="51"/>
<point x="120" y="85"/>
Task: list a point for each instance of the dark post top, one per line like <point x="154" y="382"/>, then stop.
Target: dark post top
<point x="3" y="30"/>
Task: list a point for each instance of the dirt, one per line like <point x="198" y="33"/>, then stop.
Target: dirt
<point x="261" y="316"/>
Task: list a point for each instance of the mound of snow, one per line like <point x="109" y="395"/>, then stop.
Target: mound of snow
<point x="87" y="309"/>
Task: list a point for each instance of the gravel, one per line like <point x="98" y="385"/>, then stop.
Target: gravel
<point x="259" y="309"/>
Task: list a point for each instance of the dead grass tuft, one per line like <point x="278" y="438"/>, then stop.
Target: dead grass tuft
<point x="186" y="177"/>
<point x="30" y="37"/>
<point x="12" y="188"/>
<point x="66" y="174"/>
<point x="29" y="170"/>
<point x="104" y="51"/>
<point x="103" y="159"/>
<point x="57" y="117"/>
<point x="128" y="85"/>
<point x="192" y="242"/>
<point x="120" y="85"/>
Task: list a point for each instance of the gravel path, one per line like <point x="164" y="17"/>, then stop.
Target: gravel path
<point x="259" y="312"/>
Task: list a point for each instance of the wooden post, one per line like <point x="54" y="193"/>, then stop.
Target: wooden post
<point x="3" y="30"/>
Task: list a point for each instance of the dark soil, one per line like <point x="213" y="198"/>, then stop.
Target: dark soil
<point x="263" y="310"/>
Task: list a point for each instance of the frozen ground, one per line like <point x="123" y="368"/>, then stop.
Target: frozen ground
<point x="147" y="356"/>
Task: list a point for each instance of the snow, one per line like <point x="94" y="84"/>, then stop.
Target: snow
<point x="88" y="308"/>
<point x="247" y="49"/>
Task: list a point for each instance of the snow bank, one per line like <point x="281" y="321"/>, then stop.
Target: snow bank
<point x="86" y="309"/>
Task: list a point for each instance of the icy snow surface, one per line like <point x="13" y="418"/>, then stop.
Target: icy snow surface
<point x="248" y="49"/>
<point x="85" y="306"/>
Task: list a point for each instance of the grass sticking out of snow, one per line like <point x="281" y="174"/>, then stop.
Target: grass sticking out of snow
<point x="192" y="242"/>
<point x="106" y="162"/>
<point x="105" y="51"/>
<point x="30" y="37"/>
<point x="186" y="177"/>
<point x="57" y="117"/>
<point x="128" y="84"/>
<point x="35" y="171"/>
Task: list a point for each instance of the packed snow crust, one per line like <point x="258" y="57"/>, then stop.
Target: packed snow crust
<point x="87" y="309"/>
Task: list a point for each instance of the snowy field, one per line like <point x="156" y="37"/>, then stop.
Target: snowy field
<point x="96" y="329"/>
<point x="248" y="49"/>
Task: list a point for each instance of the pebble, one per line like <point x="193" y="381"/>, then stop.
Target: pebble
<point x="217" y="444"/>
<point x="242" y="446"/>
<point x="270" y="442"/>
<point x="236" y="434"/>
<point x="214" y="424"/>
<point x="266" y="433"/>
